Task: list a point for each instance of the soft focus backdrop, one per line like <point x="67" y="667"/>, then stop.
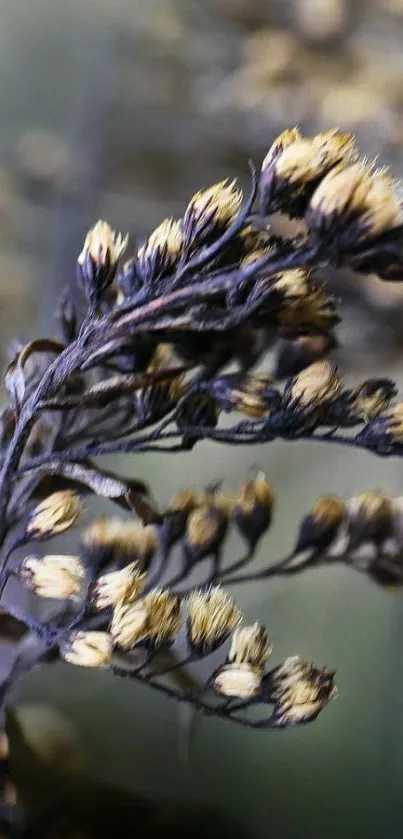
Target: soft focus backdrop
<point x="121" y="110"/>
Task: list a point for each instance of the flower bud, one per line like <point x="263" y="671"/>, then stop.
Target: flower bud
<point x="353" y="205"/>
<point x="129" y="624"/>
<point x="240" y="681"/>
<point x="295" y="165"/>
<point x="177" y="514"/>
<point x="212" y="615"/>
<point x="321" y="527"/>
<point x="372" y="398"/>
<point x="300" y="691"/>
<point x="371" y="518"/>
<point x="88" y="649"/>
<point x="206" y="529"/>
<point x="119" y="542"/>
<point x="58" y="577"/>
<point x="118" y="586"/>
<point x="317" y="386"/>
<point x="250" y="645"/>
<point x="161" y="251"/>
<point x="99" y="258"/>
<point x="211" y="211"/>
<point x="164" y="616"/>
<point x="245" y="393"/>
<point x="54" y="514"/>
<point x="252" y="511"/>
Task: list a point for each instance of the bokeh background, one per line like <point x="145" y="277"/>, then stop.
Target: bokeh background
<point x="122" y="110"/>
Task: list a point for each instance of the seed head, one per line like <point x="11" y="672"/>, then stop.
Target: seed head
<point x="394" y="422"/>
<point x="206" y="529"/>
<point x="211" y="209"/>
<point x="354" y="194"/>
<point x="103" y="246"/>
<point x="252" y="510"/>
<point x="119" y="541"/>
<point x="58" y="577"/>
<point x="129" y="624"/>
<point x="300" y="691"/>
<point x="164" y="616"/>
<point x="212" y="615"/>
<point x="317" y="386"/>
<point x="240" y="681"/>
<point x="372" y="398"/>
<point x="370" y="517"/>
<point x="54" y="514"/>
<point x="117" y="587"/>
<point x="162" y="249"/>
<point x="294" y="166"/>
<point x="250" y="645"/>
<point x="322" y="525"/>
<point x="88" y="649"/>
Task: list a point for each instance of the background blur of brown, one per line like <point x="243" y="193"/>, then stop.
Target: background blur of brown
<point x="123" y="109"/>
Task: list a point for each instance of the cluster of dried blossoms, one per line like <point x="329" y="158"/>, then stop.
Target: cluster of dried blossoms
<point x="143" y="366"/>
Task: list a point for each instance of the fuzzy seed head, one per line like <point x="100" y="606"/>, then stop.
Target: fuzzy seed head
<point x="103" y="245"/>
<point x="219" y="204"/>
<point x="394" y="419"/>
<point x="205" y="529"/>
<point x="88" y="649"/>
<point x="248" y="396"/>
<point x="301" y="691"/>
<point x="185" y="500"/>
<point x="164" y="616"/>
<point x="212" y="615"/>
<point x="256" y="492"/>
<point x="283" y="141"/>
<point x="293" y="284"/>
<point x="240" y="681"/>
<point x="250" y="645"/>
<point x="117" y="587"/>
<point x="59" y="577"/>
<point x="307" y="159"/>
<point x="164" y="244"/>
<point x="372" y="398"/>
<point x="54" y="514"/>
<point x="123" y="538"/>
<point x="129" y="624"/>
<point x="372" y="507"/>
<point x="328" y="511"/>
<point x="317" y="385"/>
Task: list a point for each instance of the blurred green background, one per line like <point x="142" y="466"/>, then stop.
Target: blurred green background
<point x="122" y="110"/>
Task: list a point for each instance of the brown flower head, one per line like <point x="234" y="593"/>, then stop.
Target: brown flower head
<point x="164" y="616"/>
<point x="117" y="587"/>
<point x="317" y="386"/>
<point x="252" y="510"/>
<point x="211" y="211"/>
<point x="250" y="645"/>
<point x="300" y="691"/>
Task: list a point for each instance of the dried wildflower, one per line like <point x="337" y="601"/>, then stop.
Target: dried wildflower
<point x="252" y="510"/>
<point x="177" y="514"/>
<point x="161" y="250"/>
<point x="250" y="645"/>
<point x="372" y="398"/>
<point x="129" y="624"/>
<point x="321" y="527"/>
<point x="300" y="691"/>
<point x="54" y="514"/>
<point x="352" y="205"/>
<point x="114" y="540"/>
<point x="315" y="387"/>
<point x="118" y="586"/>
<point x="206" y="528"/>
<point x="60" y="577"/>
<point x="393" y="418"/>
<point x="212" y="615"/>
<point x="370" y="518"/>
<point x="99" y="258"/>
<point x="248" y="394"/>
<point x="292" y="169"/>
<point x="88" y="649"/>
<point x="210" y="211"/>
<point x="164" y="616"/>
<point x="238" y="681"/>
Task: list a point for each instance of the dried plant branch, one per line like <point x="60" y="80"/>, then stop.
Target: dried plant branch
<point x="160" y="350"/>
